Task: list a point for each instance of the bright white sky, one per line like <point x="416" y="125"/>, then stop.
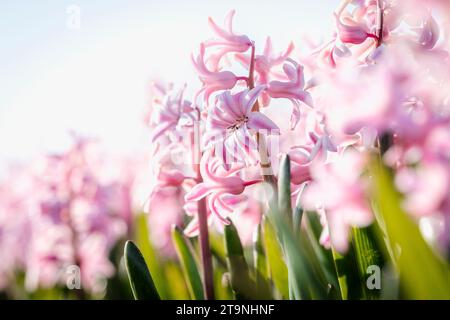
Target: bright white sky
<point x="94" y="80"/>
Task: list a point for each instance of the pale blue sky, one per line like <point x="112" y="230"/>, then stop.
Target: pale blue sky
<point x="94" y="80"/>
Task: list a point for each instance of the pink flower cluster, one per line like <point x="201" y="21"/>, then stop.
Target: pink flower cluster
<point x="388" y="91"/>
<point x="61" y="212"/>
<point x="380" y="83"/>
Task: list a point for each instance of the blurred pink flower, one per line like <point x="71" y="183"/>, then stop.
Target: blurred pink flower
<point x="66" y="202"/>
<point x="172" y="112"/>
<point x="337" y="189"/>
<point x="352" y="32"/>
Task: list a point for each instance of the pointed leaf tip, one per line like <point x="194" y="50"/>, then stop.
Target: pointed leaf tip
<point x="140" y="279"/>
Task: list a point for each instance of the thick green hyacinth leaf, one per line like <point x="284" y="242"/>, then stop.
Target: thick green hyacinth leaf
<point x="178" y="289"/>
<point x="312" y="230"/>
<point x="259" y="256"/>
<point x="285" y="210"/>
<point x="275" y="259"/>
<point x="423" y="275"/>
<point x="140" y="280"/>
<point x="237" y="265"/>
<point x="368" y="254"/>
<point x="284" y="189"/>
<point x="188" y="263"/>
<point x="259" y="261"/>
<point x="218" y="248"/>
<point x="142" y="236"/>
<point x="347" y="273"/>
<point x="304" y="283"/>
<point x="242" y="284"/>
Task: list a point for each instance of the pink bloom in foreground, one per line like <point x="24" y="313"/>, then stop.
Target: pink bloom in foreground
<point x="427" y="187"/>
<point x="338" y="189"/>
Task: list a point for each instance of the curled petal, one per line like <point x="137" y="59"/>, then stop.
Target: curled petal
<point x="252" y="96"/>
<point x="258" y="121"/>
<point x="355" y="34"/>
<point x="198" y="192"/>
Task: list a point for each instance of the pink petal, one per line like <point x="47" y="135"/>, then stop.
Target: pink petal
<point x="198" y="192"/>
<point x="257" y="121"/>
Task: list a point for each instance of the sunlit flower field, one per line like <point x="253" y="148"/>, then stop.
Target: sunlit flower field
<point x="315" y="170"/>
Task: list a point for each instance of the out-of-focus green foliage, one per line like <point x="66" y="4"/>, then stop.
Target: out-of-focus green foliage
<point x="423" y="275"/>
<point x="188" y="263"/>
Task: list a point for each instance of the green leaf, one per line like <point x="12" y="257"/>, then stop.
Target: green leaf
<point x="275" y="259"/>
<point x="347" y="273"/>
<point x="241" y="282"/>
<point x="140" y="280"/>
<point x="259" y="256"/>
<point x="188" y="263"/>
<point x="312" y="230"/>
<point x="367" y="254"/>
<point x="178" y="288"/>
<point x="218" y="248"/>
<point x="284" y="189"/>
<point x="304" y="283"/>
<point x="239" y="271"/>
<point x="423" y="275"/>
<point x="154" y="262"/>
<point x="259" y="262"/>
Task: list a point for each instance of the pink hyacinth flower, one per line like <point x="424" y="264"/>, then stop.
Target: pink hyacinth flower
<point x="232" y="123"/>
<point x="264" y="65"/>
<point x="300" y="163"/>
<point x="217" y="184"/>
<point x="292" y="89"/>
<point x="338" y="188"/>
<point x="226" y="39"/>
<point x="212" y="80"/>
<point x="355" y="33"/>
<point x="168" y="115"/>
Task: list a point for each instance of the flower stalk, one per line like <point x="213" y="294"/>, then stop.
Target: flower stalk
<point x="205" y="249"/>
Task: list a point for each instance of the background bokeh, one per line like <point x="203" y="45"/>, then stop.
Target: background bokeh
<point x="94" y="79"/>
